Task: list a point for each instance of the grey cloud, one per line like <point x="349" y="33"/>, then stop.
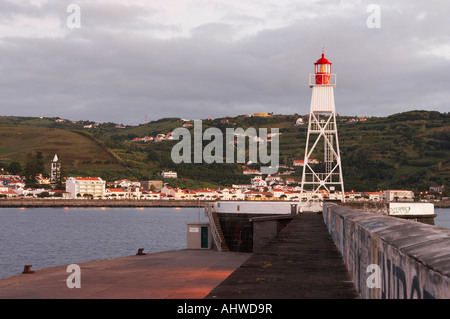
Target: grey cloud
<point x="113" y="73"/>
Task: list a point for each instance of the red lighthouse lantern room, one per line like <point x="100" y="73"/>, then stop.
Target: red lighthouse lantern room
<point x="322" y="70"/>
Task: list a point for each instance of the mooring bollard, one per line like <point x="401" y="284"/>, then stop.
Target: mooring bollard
<point x="140" y="252"/>
<point x="27" y="269"/>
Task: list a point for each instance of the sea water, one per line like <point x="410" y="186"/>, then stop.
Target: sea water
<point x="46" y="237"/>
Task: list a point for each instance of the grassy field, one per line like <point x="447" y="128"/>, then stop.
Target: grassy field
<point x="78" y="152"/>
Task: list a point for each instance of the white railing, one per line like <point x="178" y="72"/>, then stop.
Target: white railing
<point x="214" y="231"/>
<point x="323" y="79"/>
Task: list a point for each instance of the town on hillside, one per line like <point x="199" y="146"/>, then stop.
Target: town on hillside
<point x="276" y="187"/>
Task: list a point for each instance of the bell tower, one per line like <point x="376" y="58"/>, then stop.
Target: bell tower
<point x="55" y="170"/>
<point x="322" y="139"/>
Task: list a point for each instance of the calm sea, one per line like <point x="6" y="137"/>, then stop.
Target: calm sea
<point x="443" y="217"/>
<point x="45" y="237"/>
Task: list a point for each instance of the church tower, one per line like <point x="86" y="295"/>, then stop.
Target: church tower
<point x="55" y="170"/>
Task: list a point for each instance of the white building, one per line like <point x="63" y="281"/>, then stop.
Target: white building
<point x="398" y="195"/>
<point x="242" y="186"/>
<point x="93" y="186"/>
<point x="168" y="191"/>
<point x="116" y="193"/>
<point x="149" y="195"/>
<point x="208" y="194"/>
<point x="231" y="194"/>
<point x="125" y="184"/>
<point x="372" y="196"/>
<point x="299" y="122"/>
<point x="251" y="172"/>
<point x="169" y="174"/>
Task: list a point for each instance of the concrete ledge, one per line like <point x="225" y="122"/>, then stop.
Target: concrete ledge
<point x="178" y="274"/>
<point x="412" y="260"/>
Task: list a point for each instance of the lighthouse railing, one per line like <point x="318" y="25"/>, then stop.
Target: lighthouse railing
<point x="320" y="79"/>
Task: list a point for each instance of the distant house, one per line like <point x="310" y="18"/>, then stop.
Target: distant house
<point x="242" y="186"/>
<point x="298" y="162"/>
<point x="372" y="196"/>
<point x="125" y="183"/>
<point x="299" y="122"/>
<point x="436" y="189"/>
<point x="7" y="192"/>
<point x="289" y="181"/>
<point x="208" y="194"/>
<point x="302" y="163"/>
<point x="261" y="115"/>
<point x="169" y="174"/>
<point x="115" y="193"/>
<point x="398" y="195"/>
<point x="251" y="172"/>
<point x="62" y="194"/>
<point x="150" y="195"/>
<point x="151" y="185"/>
<point x="168" y="191"/>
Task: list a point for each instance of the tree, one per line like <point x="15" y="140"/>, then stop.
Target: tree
<point x="15" y="168"/>
<point x="39" y="163"/>
<point x="30" y="171"/>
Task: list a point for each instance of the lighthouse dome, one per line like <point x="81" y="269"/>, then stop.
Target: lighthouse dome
<point x="323" y="60"/>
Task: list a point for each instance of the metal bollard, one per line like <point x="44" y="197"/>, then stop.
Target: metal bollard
<point x="140" y="252"/>
<point x="27" y="269"/>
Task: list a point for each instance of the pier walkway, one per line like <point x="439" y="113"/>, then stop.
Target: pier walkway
<point x="301" y="262"/>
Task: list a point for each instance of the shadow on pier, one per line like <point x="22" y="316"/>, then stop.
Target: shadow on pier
<point x="300" y="262"/>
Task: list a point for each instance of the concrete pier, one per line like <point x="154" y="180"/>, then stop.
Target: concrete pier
<point x="301" y="262"/>
<point x="179" y="274"/>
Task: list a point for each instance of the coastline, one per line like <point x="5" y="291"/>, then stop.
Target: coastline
<point x="46" y="202"/>
<point x="18" y="203"/>
<point x="441" y="204"/>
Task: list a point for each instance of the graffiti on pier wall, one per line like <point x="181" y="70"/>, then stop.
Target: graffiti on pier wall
<point x="380" y="270"/>
<point x="401" y="281"/>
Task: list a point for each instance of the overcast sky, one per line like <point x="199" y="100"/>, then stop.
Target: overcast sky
<point x="212" y="58"/>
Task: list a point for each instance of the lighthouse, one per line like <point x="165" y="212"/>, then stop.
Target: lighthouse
<point x="324" y="178"/>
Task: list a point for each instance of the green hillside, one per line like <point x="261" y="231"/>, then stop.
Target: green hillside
<point x="80" y="153"/>
<point x="407" y="150"/>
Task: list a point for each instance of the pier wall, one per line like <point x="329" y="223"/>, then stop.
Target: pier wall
<point x="390" y="257"/>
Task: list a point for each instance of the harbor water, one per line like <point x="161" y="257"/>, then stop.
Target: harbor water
<point x="46" y="237"/>
<point x="443" y="217"/>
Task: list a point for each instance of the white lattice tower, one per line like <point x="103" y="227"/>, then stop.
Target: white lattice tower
<point x="322" y="134"/>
